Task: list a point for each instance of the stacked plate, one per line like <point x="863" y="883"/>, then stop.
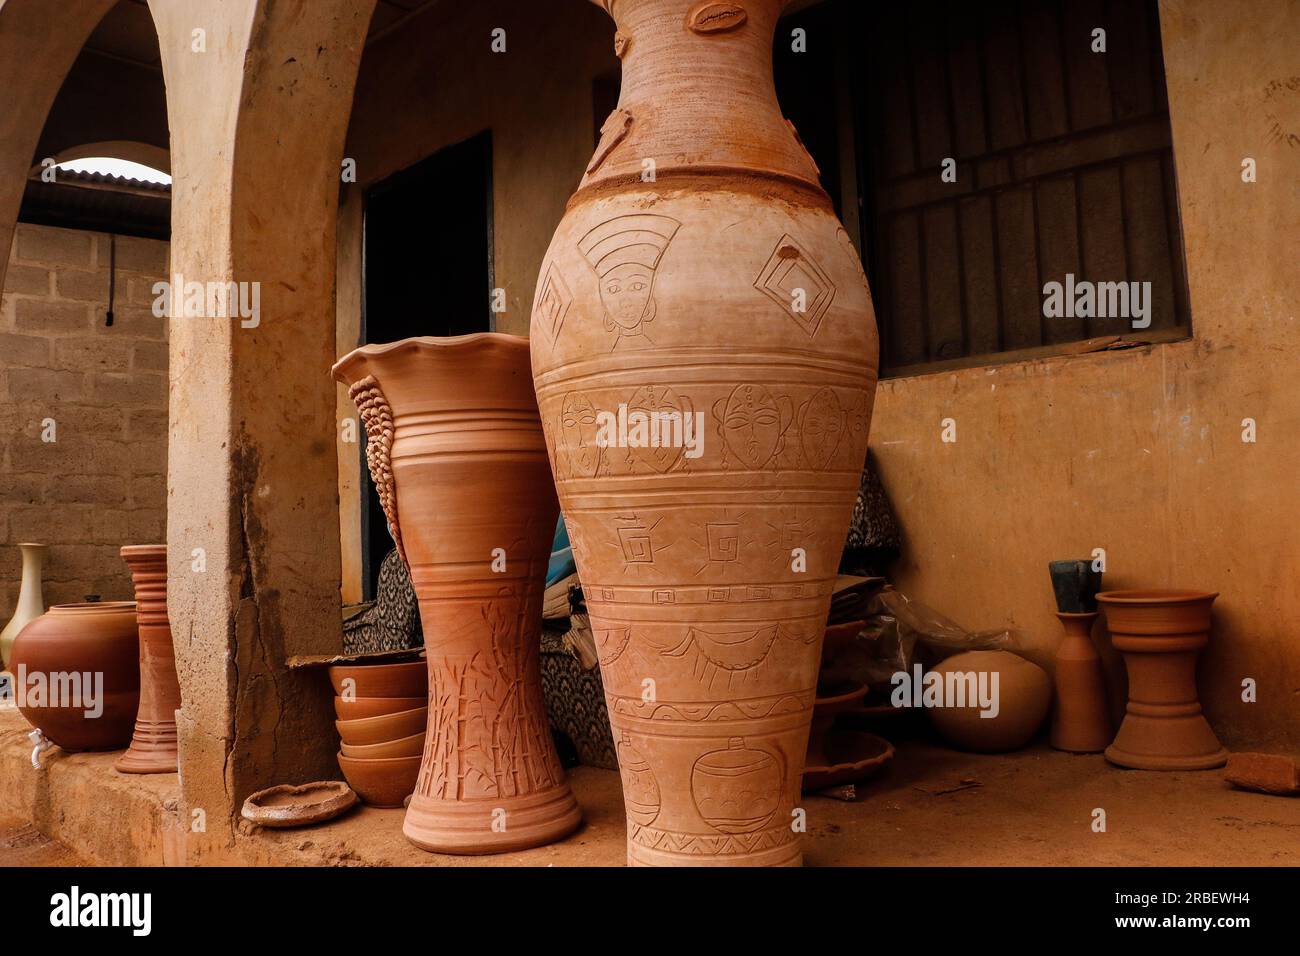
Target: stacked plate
<point x="382" y="712"/>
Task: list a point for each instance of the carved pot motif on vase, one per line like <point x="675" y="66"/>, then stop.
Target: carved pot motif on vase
<point x="704" y="355"/>
<point x="456" y="451"/>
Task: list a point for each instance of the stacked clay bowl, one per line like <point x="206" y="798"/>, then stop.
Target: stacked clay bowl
<point x="382" y="711"/>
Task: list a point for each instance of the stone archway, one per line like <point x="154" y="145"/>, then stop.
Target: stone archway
<point x="259" y="99"/>
<point x="38" y="43"/>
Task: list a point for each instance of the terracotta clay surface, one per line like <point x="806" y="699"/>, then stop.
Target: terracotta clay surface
<point x="365" y="707"/>
<point x="724" y="295"/>
<point x="1267" y="773"/>
<point x="381" y="783"/>
<point x="375" y="730"/>
<point x="87" y="640"/>
<point x="409" y="746"/>
<point x="300" y="806"/>
<point x="1080" y="719"/>
<point x="1024" y="693"/>
<point x="153" y="742"/>
<point x="1161" y="633"/>
<point x="456" y="451"/>
<point x="355" y="681"/>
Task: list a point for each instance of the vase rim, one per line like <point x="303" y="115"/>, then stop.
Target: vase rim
<point x="143" y="550"/>
<point x="31" y="544"/>
<point x="85" y="607"/>
<point x="441" y="343"/>
<point x="1148" y="596"/>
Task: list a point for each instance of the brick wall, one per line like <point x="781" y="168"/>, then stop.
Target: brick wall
<point x="102" y="482"/>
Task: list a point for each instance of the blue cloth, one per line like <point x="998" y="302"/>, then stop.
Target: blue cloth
<point x="562" y="563"/>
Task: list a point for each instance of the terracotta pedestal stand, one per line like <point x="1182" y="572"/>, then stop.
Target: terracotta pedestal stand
<point x="153" y="744"/>
<point x="705" y="362"/>
<point x="1160" y="634"/>
<point x="1080" y="723"/>
<point x="456" y="451"/>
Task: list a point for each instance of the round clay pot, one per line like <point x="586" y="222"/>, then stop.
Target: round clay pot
<point x="153" y="742"/>
<point x="385" y="782"/>
<point x="407" y="679"/>
<point x="723" y="296"/>
<point x="376" y="730"/>
<point x="1024" y="693"/>
<point x="410" y="746"/>
<point x="81" y="645"/>
<point x="1080" y="719"/>
<point x="1161" y="633"/>
<point x="365" y="707"/>
<point x="456" y="451"/>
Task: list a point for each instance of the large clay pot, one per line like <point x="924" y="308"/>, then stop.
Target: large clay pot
<point x="1161" y="633"/>
<point x="1021" y="699"/>
<point x="1080" y="720"/>
<point x="722" y="293"/>
<point x="31" y="603"/>
<point x="72" y="654"/>
<point x="153" y="743"/>
<point x="456" y="451"/>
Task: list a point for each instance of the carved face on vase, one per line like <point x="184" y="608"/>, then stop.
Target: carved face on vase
<point x="624" y="252"/>
<point x="578" y="436"/>
<point x="752" y="423"/>
<point x="625" y="294"/>
<point x="820" y="428"/>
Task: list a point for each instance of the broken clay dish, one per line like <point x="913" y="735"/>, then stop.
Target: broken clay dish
<point x="704" y="355"/>
<point x="386" y="782"/>
<point x="1161" y="633"/>
<point x="365" y="707"/>
<point x="376" y="730"/>
<point x="153" y="742"/>
<point x="1277" y="774"/>
<point x="300" y="806"/>
<point x="457" y="455"/>
<point x="84" y="643"/>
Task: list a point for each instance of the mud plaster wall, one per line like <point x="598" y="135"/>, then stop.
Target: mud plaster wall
<point x="102" y="481"/>
<point x="436" y="82"/>
<point x="1141" y="452"/>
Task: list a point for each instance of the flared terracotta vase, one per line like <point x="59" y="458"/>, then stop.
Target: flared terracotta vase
<point x="1161" y="633"/>
<point x="153" y="743"/>
<point x="456" y="451"/>
<point x="704" y="353"/>
<point x="1080" y="720"/>
<point x="31" y="602"/>
<point x="77" y="674"/>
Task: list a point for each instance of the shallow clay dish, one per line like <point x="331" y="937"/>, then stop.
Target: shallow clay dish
<point x="846" y="755"/>
<point x="408" y="679"/>
<point x="411" y="746"/>
<point x="290" y="806"/>
<point x="363" y="707"/>
<point x="385" y="727"/>
<point x="381" y="783"/>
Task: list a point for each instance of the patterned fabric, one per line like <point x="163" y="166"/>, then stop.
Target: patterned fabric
<point x="873" y="539"/>
<point x="392" y="623"/>
<point x="575" y="697"/>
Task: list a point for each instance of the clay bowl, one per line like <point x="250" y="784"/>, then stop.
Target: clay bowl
<point x="408" y="679"/>
<point x="362" y="707"/>
<point x="411" y="746"/>
<point x="288" y="806"/>
<point x="381" y="783"/>
<point x="385" y="727"/>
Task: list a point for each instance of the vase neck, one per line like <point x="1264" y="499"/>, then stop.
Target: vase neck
<point x="29" y="589"/>
<point x="697" y="96"/>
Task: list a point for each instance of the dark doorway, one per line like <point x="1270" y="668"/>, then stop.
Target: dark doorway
<point x="427" y="271"/>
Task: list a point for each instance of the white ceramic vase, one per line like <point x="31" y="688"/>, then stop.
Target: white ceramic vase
<point x="31" y="604"/>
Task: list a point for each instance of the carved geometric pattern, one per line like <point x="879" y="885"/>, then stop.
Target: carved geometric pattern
<point x="704" y="845"/>
<point x="791" y="274"/>
<point x="553" y="302"/>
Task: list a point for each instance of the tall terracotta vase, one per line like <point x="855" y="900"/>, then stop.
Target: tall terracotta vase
<point x="1080" y="721"/>
<point x="456" y="451"/>
<point x="31" y="603"/>
<point x="1161" y="633"/>
<point x="700" y="280"/>
<point x="153" y="745"/>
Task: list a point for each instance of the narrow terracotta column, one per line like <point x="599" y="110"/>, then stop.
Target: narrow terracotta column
<point x="1080" y="721"/>
<point x="153" y="746"/>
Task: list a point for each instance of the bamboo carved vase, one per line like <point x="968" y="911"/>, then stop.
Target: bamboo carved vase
<point x="456" y="451"/>
<point x="1161" y="634"/>
<point x="153" y="744"/>
<point x="700" y="282"/>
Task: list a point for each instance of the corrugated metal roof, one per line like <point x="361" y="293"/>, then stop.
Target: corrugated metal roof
<point x="101" y="202"/>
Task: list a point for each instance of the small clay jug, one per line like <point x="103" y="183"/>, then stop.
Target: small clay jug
<point x="153" y="744"/>
<point x="1080" y="721"/>
<point x="1160" y="633"/>
<point x="77" y="674"/>
<point x="31" y="603"/>
<point x="456" y="451"/>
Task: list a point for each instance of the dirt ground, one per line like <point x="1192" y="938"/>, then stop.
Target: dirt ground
<point x="22" y="845"/>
